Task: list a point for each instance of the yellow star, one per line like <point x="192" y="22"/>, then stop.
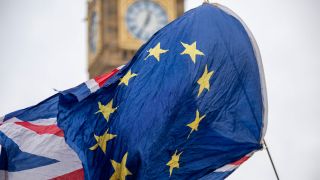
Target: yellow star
<point x="204" y="80"/>
<point x="106" y="110"/>
<point x="174" y="162"/>
<point x="102" y="141"/>
<point x="127" y="77"/>
<point x="120" y="169"/>
<point x="195" y="124"/>
<point x="191" y="50"/>
<point x="156" y="52"/>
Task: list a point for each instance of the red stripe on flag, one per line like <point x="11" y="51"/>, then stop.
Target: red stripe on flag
<point x="75" y="175"/>
<point x="103" y="78"/>
<point x="42" y="129"/>
<point x="240" y="161"/>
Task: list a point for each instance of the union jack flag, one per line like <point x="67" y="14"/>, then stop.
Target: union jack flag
<point x="33" y="147"/>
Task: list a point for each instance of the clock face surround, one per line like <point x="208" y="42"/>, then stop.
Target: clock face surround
<point x="144" y="18"/>
<point x="140" y="19"/>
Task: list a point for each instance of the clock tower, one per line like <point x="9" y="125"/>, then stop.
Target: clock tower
<point x="117" y="28"/>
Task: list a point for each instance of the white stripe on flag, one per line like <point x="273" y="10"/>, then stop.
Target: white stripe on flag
<point x="120" y="67"/>
<point x="43" y="145"/>
<point x="44" y="122"/>
<point x="43" y="172"/>
<point x="3" y="175"/>
<point x="92" y="85"/>
<point x="1" y="119"/>
<point x="46" y="145"/>
<point x="48" y="121"/>
<point x="12" y="120"/>
<point x="228" y="167"/>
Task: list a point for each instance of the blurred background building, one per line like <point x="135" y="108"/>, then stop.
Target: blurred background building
<point x="117" y="28"/>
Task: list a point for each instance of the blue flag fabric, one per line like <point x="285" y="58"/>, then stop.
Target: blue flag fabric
<point x="189" y="105"/>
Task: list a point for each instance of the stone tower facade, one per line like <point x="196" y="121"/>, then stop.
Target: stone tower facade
<point x="104" y="52"/>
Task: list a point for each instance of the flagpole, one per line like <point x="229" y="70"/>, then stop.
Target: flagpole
<point x="273" y="166"/>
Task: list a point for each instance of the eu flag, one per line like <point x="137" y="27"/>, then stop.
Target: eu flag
<point x="190" y="104"/>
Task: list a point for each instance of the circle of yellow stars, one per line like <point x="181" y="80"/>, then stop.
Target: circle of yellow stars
<point x="120" y="169"/>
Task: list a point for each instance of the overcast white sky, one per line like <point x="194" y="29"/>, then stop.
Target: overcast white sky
<point x="43" y="46"/>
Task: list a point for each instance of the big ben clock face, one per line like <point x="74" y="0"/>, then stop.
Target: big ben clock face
<point x="144" y="18"/>
<point x="93" y="32"/>
<point x="140" y="19"/>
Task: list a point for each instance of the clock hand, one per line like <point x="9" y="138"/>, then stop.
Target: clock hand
<point x="145" y="23"/>
<point x="147" y="20"/>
